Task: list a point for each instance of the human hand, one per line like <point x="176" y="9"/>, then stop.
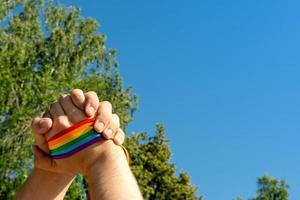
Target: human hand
<point x="63" y="114"/>
<point x="87" y="102"/>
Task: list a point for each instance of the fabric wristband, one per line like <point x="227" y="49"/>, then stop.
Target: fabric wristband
<point x="76" y="138"/>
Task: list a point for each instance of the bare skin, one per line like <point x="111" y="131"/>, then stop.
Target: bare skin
<point x="102" y="164"/>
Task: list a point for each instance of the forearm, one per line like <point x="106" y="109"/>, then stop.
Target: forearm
<point x="110" y="178"/>
<point x="42" y="184"/>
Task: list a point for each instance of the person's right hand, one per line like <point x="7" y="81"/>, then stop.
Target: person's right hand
<point x="86" y="102"/>
<point x="63" y="115"/>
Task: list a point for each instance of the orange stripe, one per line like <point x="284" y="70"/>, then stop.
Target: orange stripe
<point x="69" y="136"/>
<point x="62" y="138"/>
<point x="65" y="131"/>
<point x="71" y="132"/>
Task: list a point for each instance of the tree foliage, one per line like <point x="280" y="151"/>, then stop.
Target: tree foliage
<point x="270" y="189"/>
<point x="150" y="163"/>
<point x="47" y="49"/>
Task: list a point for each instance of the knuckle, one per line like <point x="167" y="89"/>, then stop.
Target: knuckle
<point x="116" y="119"/>
<point x="62" y="98"/>
<point x="105" y="116"/>
<point x="54" y="105"/>
<point x="106" y="104"/>
<point x="102" y="117"/>
<point x="76" y="92"/>
<point x="91" y="94"/>
<point x="62" y="121"/>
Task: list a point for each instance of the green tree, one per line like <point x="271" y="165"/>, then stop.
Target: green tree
<point x="47" y="49"/>
<point x="156" y="176"/>
<point x="270" y="189"/>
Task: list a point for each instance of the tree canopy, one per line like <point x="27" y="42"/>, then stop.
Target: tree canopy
<point x="269" y="188"/>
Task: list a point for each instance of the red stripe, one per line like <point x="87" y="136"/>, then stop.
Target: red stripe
<point x="65" y="131"/>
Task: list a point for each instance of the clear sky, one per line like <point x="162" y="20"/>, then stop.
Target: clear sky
<point x="222" y="76"/>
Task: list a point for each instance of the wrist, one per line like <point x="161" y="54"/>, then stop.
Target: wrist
<point x="43" y="184"/>
<point x="108" y="176"/>
<point x="53" y="176"/>
<point x="106" y="154"/>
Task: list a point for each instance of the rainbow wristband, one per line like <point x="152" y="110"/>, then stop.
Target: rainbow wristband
<point x="73" y="139"/>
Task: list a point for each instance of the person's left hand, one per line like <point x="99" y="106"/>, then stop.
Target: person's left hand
<point x="74" y="105"/>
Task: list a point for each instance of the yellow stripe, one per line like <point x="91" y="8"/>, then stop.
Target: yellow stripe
<point x="69" y="137"/>
<point x="71" y="132"/>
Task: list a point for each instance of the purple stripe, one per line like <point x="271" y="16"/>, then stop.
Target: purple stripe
<point x="93" y="141"/>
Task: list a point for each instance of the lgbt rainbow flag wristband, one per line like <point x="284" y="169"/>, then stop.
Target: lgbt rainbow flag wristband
<point x="74" y="139"/>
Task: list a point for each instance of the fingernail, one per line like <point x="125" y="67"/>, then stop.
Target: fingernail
<point x="119" y="138"/>
<point x="110" y="132"/>
<point x="99" y="126"/>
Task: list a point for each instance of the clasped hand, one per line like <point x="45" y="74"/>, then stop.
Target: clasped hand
<point x="67" y="111"/>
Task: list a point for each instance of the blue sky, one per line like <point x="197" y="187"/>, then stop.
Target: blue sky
<point x="222" y="76"/>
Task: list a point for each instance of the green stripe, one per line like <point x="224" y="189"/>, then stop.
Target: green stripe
<point x="76" y="145"/>
<point x="72" y="141"/>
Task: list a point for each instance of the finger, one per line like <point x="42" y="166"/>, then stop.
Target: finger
<point x="119" y="137"/>
<point x="91" y="103"/>
<point x="78" y="98"/>
<point x="104" y="106"/>
<point x="104" y="114"/>
<point x="56" y="110"/>
<point x="39" y="127"/>
<point x="74" y="114"/>
<point x="112" y="127"/>
<point x="116" y="120"/>
<point x="59" y="118"/>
